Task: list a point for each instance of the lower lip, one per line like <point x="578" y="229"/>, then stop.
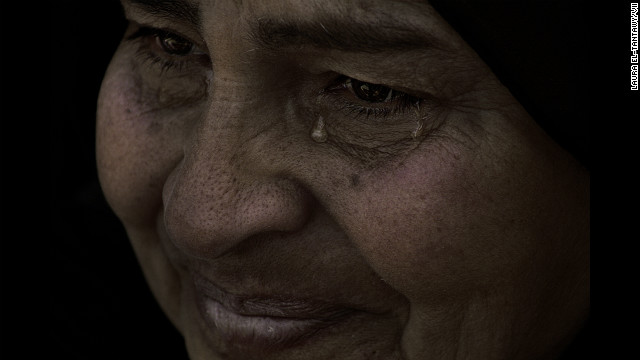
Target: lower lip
<point x="262" y="323"/>
<point x="257" y="331"/>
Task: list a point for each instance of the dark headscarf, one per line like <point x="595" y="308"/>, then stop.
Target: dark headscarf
<point x="539" y="50"/>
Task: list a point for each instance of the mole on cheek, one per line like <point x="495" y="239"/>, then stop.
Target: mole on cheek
<point x="354" y="180"/>
<point x="154" y="127"/>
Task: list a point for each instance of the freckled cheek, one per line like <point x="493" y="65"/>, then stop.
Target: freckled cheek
<point x="135" y="151"/>
<point x="412" y="226"/>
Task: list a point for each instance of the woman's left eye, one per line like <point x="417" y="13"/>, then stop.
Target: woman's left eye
<point x="364" y="98"/>
<point x="373" y="93"/>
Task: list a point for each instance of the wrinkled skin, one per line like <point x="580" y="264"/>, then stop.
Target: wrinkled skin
<point x="467" y="239"/>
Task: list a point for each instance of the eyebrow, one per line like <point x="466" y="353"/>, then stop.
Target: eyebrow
<point x="342" y="34"/>
<point x="170" y="9"/>
<point x="326" y="32"/>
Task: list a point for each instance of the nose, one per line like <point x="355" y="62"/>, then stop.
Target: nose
<point x="225" y="190"/>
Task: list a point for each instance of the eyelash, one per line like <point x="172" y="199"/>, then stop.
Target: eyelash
<point x="166" y="61"/>
<point x="402" y="102"/>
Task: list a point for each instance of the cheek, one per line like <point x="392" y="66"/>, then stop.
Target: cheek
<point x="136" y="147"/>
<point x="423" y="228"/>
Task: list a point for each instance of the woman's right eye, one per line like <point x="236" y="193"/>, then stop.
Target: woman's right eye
<point x="167" y="49"/>
<point x="174" y="44"/>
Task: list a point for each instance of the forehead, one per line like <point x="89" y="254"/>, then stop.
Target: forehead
<point x="198" y="11"/>
<point x="354" y="25"/>
<point x="338" y="8"/>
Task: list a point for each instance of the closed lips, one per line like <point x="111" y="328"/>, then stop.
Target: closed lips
<point x="264" y="321"/>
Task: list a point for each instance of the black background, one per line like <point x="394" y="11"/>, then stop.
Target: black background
<point x="98" y="296"/>
<point x="71" y="287"/>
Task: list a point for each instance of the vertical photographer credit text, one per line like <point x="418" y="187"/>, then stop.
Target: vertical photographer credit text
<point x="634" y="46"/>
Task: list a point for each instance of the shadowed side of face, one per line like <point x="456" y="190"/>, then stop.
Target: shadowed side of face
<point x="338" y="180"/>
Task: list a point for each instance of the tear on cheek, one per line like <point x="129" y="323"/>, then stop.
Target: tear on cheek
<point x="319" y="133"/>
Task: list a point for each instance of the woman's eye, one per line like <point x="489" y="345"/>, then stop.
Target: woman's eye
<point x="165" y="41"/>
<point x="373" y="93"/>
<point x="173" y="44"/>
<point x="167" y="49"/>
<point x="364" y="98"/>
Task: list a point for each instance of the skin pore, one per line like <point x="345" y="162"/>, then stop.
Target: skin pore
<point x="434" y="220"/>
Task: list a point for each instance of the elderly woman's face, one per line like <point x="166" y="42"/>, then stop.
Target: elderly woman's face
<point x="337" y="180"/>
